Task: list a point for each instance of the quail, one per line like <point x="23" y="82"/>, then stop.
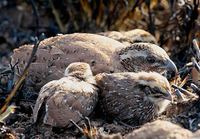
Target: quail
<point x="160" y="129"/>
<point x="70" y="98"/>
<point x="133" y="98"/>
<point x="130" y="37"/>
<point x="101" y="53"/>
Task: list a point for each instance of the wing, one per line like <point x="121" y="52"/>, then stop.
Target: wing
<point x="60" y="110"/>
<point x="46" y="92"/>
<point x="56" y="53"/>
<point x="70" y="104"/>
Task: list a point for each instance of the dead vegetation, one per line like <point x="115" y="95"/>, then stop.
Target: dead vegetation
<point x="175" y="24"/>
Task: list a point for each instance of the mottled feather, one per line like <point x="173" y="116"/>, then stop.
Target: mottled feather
<point x="70" y="97"/>
<point x="128" y="96"/>
<point x="101" y="53"/>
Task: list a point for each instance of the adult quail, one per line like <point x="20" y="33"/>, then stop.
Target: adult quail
<point x="130" y="37"/>
<point x="133" y="98"/>
<point x="68" y="98"/>
<point x="101" y="53"/>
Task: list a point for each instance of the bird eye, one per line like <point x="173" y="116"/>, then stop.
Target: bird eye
<point x="136" y="41"/>
<point x="147" y="90"/>
<point x="151" y="59"/>
<point x="152" y="42"/>
<point x="93" y="63"/>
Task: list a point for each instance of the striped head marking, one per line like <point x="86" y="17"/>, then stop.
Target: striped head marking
<point x="146" y="57"/>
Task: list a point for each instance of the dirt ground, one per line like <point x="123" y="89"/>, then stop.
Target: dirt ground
<point x="174" y="25"/>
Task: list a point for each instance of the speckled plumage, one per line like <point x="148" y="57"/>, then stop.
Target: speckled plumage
<point x="70" y="97"/>
<point x="101" y="53"/>
<point x="134" y="98"/>
<point x="130" y="37"/>
<point x="140" y="56"/>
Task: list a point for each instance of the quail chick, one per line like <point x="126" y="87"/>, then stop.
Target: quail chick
<point x="101" y="53"/>
<point x="133" y="98"/>
<point x="70" y="97"/>
<point x="130" y="37"/>
<point x="160" y="130"/>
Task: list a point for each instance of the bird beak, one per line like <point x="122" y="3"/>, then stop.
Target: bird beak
<point x="168" y="96"/>
<point x="171" y="69"/>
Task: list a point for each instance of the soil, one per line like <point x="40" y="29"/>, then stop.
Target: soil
<point x="175" y="25"/>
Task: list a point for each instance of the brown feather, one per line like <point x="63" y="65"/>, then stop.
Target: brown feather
<point x="130" y="37"/>
<point x="101" y="53"/>
<point x="65" y="99"/>
<point x="124" y="96"/>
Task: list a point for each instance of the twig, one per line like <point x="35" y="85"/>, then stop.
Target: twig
<point x="11" y="78"/>
<point x="151" y="25"/>
<point x="88" y="131"/>
<point x="179" y="95"/>
<point x="184" y="91"/>
<point x="20" y="80"/>
<point x="88" y="123"/>
<point x="77" y="126"/>
<point x="57" y="17"/>
<point x="35" y="12"/>
<point x="195" y="88"/>
<point x="137" y="3"/>
<point x="184" y="81"/>
<point x="186" y="69"/>
<point x="9" y="110"/>
<point x="195" y="64"/>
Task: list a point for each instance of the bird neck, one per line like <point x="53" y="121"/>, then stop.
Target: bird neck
<point x="159" y="104"/>
<point x="162" y="106"/>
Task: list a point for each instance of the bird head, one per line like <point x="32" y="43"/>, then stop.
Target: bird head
<point x="139" y="35"/>
<point x="81" y="71"/>
<point x="147" y="57"/>
<point x="130" y="37"/>
<point x="156" y="88"/>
